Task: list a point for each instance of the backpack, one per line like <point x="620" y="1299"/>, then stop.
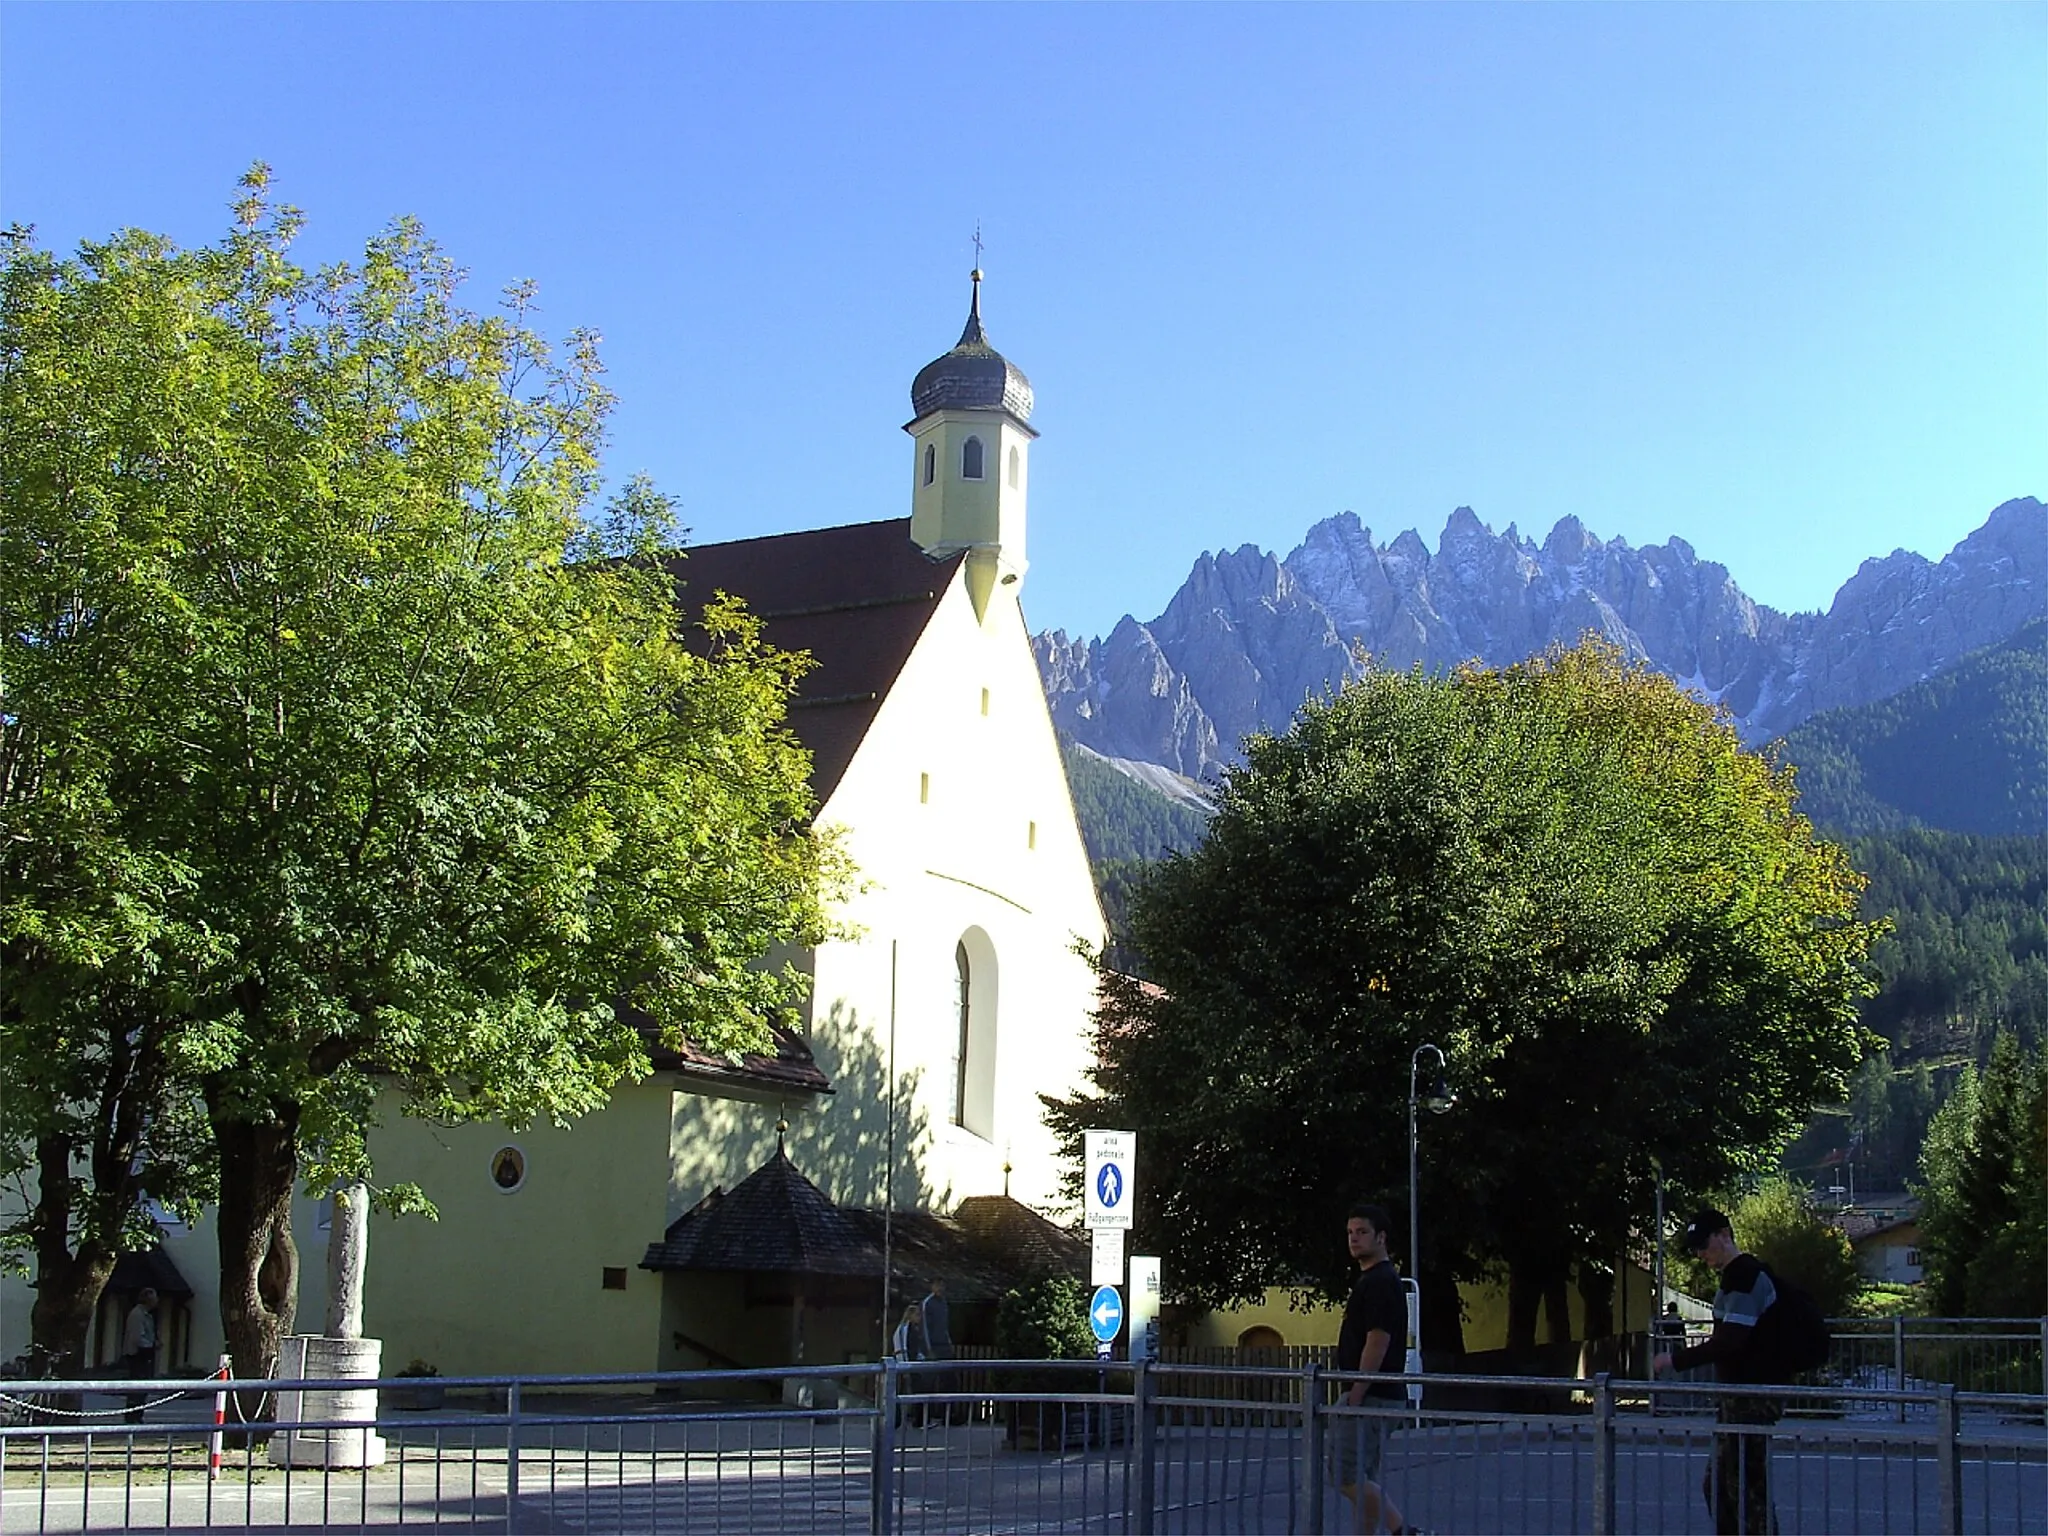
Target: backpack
<point x="1792" y="1334"/>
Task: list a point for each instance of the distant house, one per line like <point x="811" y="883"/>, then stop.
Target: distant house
<point x="1886" y="1241"/>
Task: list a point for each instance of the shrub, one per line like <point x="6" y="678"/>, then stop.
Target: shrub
<point x="1045" y="1320"/>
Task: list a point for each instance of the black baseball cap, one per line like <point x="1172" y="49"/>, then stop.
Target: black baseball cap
<point x="1704" y="1224"/>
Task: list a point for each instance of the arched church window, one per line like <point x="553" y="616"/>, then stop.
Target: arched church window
<point x="1015" y="459"/>
<point x="931" y="463"/>
<point x="972" y="1077"/>
<point x="970" y="459"/>
<point x="963" y="1013"/>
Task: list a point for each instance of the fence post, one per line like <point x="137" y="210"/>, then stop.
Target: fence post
<point x="1899" y="1362"/>
<point x="1948" y="1466"/>
<point x="1603" y="1455"/>
<point x="1145" y="1444"/>
<point x="882" y="1466"/>
<point x="1311" y="1448"/>
<point x="2044" y="1357"/>
<point x="512" y="1457"/>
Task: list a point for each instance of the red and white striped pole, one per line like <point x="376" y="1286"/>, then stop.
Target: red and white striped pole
<point x="220" y="1416"/>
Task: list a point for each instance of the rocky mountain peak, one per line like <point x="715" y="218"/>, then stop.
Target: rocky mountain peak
<point x="1249" y="636"/>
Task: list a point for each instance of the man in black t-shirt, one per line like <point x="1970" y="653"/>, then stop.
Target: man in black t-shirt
<point x="1738" y="1483"/>
<point x="1374" y="1341"/>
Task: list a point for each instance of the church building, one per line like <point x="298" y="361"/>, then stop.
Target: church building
<point x="952" y="996"/>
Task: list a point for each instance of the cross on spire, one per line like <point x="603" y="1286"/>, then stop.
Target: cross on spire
<point x="977" y="250"/>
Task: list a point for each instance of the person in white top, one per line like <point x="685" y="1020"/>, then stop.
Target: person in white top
<point x="138" y="1348"/>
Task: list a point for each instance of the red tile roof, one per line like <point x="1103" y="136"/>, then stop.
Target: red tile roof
<point x="856" y="598"/>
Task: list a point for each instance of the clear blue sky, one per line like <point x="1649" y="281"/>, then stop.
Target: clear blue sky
<point x="1770" y="277"/>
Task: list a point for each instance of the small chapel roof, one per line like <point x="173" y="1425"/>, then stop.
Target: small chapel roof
<point x="148" y="1268"/>
<point x="856" y="597"/>
<point x="974" y="376"/>
<point x="1027" y="1241"/>
<point x="774" y="1221"/>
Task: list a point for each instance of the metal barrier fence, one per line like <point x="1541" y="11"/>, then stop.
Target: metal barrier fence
<point x="1036" y="1446"/>
<point x="1992" y="1354"/>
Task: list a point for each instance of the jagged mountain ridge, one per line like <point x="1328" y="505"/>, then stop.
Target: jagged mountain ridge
<point x="1248" y="636"/>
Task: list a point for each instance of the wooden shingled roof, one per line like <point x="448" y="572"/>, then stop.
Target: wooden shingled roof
<point x="855" y="597"/>
<point x="1028" y="1242"/>
<point x="776" y="1221"/>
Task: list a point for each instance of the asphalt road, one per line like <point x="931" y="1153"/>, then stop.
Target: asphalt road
<point x="753" y="1471"/>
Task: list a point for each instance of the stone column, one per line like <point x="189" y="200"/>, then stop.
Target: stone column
<point x="347" y="1251"/>
<point x="341" y="1354"/>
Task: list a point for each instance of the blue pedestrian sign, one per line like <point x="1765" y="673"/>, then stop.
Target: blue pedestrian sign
<point x="1109" y="1186"/>
<point x="1106" y="1313"/>
<point x="1108" y="1183"/>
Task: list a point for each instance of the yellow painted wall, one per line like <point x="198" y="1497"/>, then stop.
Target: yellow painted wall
<point x="513" y="1282"/>
<point x="953" y="512"/>
<point x="1486" y="1316"/>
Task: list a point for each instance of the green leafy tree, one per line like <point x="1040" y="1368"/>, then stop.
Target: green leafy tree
<point x="406" y="772"/>
<point x="1777" y="1221"/>
<point x="1984" y="1190"/>
<point x="1570" y="876"/>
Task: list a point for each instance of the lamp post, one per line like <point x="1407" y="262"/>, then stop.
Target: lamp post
<point x="1438" y="1099"/>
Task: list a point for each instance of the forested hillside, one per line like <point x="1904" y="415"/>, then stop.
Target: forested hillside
<point x="1122" y="819"/>
<point x="1967" y="957"/>
<point x="1969" y="949"/>
<point x="1125" y="825"/>
<point x="1966" y="750"/>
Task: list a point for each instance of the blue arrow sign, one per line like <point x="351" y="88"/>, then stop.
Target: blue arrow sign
<point x="1109" y="1186"/>
<point x="1106" y="1313"/>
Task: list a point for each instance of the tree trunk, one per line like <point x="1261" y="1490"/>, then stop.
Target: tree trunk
<point x="259" y="1263"/>
<point x="1596" y="1290"/>
<point x="1538" y="1284"/>
<point x="1525" y="1298"/>
<point x="1443" y="1325"/>
<point x="1557" y="1304"/>
<point x="68" y="1283"/>
<point x="70" y="1277"/>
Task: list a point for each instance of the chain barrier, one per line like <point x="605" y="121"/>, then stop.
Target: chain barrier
<point x="90" y="1413"/>
<point x="30" y="1405"/>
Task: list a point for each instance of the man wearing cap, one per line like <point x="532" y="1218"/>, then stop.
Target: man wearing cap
<point x="1737" y="1486"/>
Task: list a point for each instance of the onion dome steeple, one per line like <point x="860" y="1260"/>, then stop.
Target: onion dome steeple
<point x="974" y="376"/>
<point x="971" y="460"/>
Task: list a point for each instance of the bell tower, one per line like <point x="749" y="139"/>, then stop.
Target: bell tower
<point x="971" y="460"/>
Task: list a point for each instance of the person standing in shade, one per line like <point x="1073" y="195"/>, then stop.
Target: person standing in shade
<point x="1373" y="1341"/>
<point x="935" y="1325"/>
<point x="1737" y="1484"/>
<point x="138" y="1348"/>
<point x="905" y="1343"/>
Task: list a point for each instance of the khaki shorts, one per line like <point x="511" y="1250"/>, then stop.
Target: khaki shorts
<point x="1352" y="1449"/>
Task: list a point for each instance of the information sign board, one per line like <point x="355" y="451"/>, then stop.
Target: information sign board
<point x="1111" y="1158"/>
<point x="1106" y="1256"/>
<point x="1144" y="1308"/>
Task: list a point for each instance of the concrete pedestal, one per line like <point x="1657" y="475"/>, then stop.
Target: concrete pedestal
<point x="310" y="1357"/>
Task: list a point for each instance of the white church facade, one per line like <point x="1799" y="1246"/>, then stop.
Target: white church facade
<point x="954" y="995"/>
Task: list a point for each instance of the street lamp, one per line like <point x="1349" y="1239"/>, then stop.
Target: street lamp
<point x="1438" y="1099"/>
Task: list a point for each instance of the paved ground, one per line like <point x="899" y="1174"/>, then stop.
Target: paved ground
<point x="748" y="1470"/>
